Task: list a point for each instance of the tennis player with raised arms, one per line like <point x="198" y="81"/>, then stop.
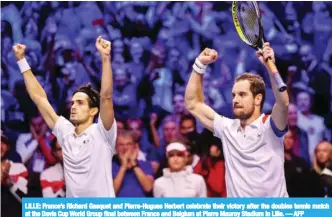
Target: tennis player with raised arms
<point x="252" y="143"/>
<point x="87" y="147"/>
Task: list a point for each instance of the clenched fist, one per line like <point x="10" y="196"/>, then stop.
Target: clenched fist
<point x="19" y="50"/>
<point x="103" y="46"/>
<point x="208" y="56"/>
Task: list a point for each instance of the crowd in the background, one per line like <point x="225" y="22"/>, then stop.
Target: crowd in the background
<point x="153" y="47"/>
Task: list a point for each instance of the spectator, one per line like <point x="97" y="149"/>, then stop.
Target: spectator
<point x="146" y="151"/>
<point x="212" y="168"/>
<point x="300" y="146"/>
<point x="13" y="182"/>
<point x="124" y="96"/>
<point x="34" y="147"/>
<point x="52" y="179"/>
<point x="178" y="180"/>
<point x="188" y="129"/>
<point x="322" y="160"/>
<point x="132" y="177"/>
<point x="296" y="170"/>
<point x="312" y="124"/>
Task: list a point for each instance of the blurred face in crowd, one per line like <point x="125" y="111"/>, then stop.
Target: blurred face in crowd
<point x="215" y="151"/>
<point x="136" y="129"/>
<point x="323" y="152"/>
<point x="170" y="131"/>
<point x="38" y="124"/>
<point x="136" y="51"/>
<point x="120" y="77"/>
<point x="319" y="6"/>
<point x="120" y="126"/>
<point x="187" y="126"/>
<point x="31" y="30"/>
<point x="125" y="143"/>
<point x="118" y="46"/>
<point x="57" y="152"/>
<point x="80" y="111"/>
<point x="303" y="102"/>
<point x="288" y="142"/>
<point x="306" y="55"/>
<point x="174" y="56"/>
<point x="176" y="160"/>
<point x="243" y="100"/>
<point x="4" y="148"/>
<point x="69" y="73"/>
<point x="178" y="102"/>
<point x="292" y="115"/>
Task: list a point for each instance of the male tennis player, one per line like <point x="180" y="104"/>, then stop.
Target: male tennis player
<point x="252" y="142"/>
<point x="87" y="148"/>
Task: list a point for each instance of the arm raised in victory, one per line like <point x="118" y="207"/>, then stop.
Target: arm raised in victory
<point x="36" y="92"/>
<point x="194" y="98"/>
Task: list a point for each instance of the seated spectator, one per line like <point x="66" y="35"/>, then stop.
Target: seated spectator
<point x="326" y="175"/>
<point x="146" y="151"/>
<point x="300" y="146"/>
<point x="124" y="96"/>
<point x="132" y="177"/>
<point x="52" y="179"/>
<point x="192" y="157"/>
<point x="188" y="129"/>
<point x="35" y="150"/>
<point x="34" y="147"/>
<point x="170" y="132"/>
<point x="312" y="124"/>
<point x="178" y="180"/>
<point x="296" y="170"/>
<point x="212" y="168"/>
<point x="322" y="159"/>
<point x="13" y="182"/>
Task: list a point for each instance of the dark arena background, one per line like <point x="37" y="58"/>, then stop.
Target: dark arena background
<point x="154" y="45"/>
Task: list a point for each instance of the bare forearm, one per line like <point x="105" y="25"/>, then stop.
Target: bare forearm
<point x="35" y="90"/>
<point x="106" y="102"/>
<point x="194" y="91"/>
<point x="145" y="181"/>
<point x="118" y="179"/>
<point x="106" y="79"/>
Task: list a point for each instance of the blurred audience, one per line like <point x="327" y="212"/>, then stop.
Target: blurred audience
<point x="178" y="180"/>
<point x="153" y="47"/>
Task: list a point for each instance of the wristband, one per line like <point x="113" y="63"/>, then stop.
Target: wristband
<point x="199" y="67"/>
<point x="23" y="65"/>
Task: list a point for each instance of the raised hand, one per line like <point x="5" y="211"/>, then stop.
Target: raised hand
<point x="153" y="119"/>
<point x="103" y="46"/>
<point x="133" y="156"/>
<point x="208" y="56"/>
<point x="265" y="54"/>
<point x="19" y="50"/>
<point x="124" y="159"/>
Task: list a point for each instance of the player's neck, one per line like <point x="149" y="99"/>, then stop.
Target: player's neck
<point x="253" y="117"/>
<point x="80" y="128"/>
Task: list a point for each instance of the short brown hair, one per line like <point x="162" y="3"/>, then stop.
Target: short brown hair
<point x="257" y="84"/>
<point x="126" y="133"/>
